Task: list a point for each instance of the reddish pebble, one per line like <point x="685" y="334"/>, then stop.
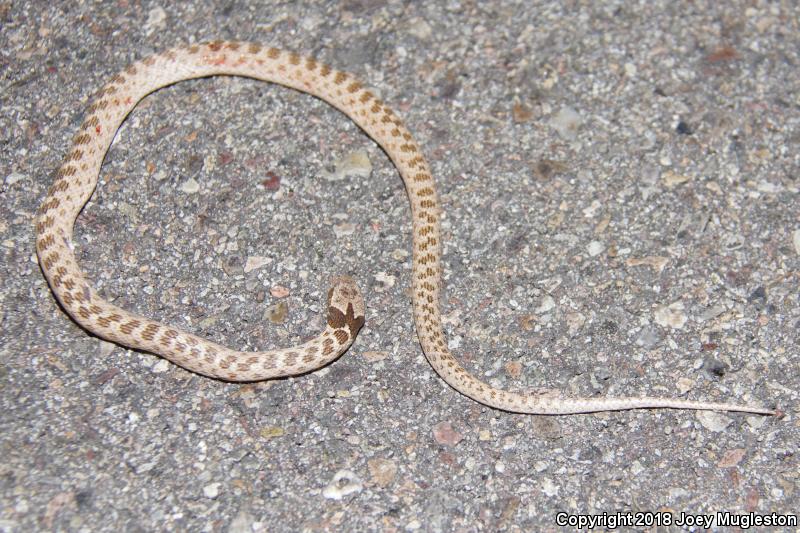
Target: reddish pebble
<point x="279" y="291"/>
<point x="444" y="433"/>
<point x="273" y="181"/>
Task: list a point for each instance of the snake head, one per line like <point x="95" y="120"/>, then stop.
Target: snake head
<point x="345" y="305"/>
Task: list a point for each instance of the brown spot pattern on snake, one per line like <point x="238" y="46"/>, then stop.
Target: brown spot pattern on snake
<point x="341" y="336"/>
<point x="128" y="327"/>
<point x="327" y="347"/>
<point x="150" y="331"/>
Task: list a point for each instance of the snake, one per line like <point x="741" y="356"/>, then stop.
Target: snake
<point x="77" y="178"/>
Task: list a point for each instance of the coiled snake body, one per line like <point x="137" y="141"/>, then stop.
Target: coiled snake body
<point x="77" y="177"/>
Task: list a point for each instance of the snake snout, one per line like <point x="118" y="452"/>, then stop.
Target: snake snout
<point x="345" y="304"/>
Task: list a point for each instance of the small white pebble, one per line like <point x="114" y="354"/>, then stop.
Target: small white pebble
<point x="549" y="488"/>
<point x="671" y="315"/>
<point x="353" y="164"/>
<point x="374" y="356"/>
<point x="684" y="385"/>
<point x="344" y="483"/>
<point x="673" y="179"/>
<point x="419" y="28"/>
<point x="454" y="342"/>
<point x="595" y="248"/>
<point x="190" y="186"/>
<point x="566" y="123"/>
<point x="547" y="304"/>
<point x="21" y="507"/>
<point x="255" y="261"/>
<point x="592" y="210"/>
<point x="107" y="348"/>
<point x="242" y="523"/>
<point x="156" y="19"/>
<point x="400" y="254"/>
<point x="13" y="178"/>
<point x="713" y="421"/>
<point x="386" y="280"/>
<point x="211" y="491"/>
<point x="413" y="525"/>
<point x="678" y="493"/>
<point x="161" y="366"/>
<point x="344" y="229"/>
<point x="767" y="187"/>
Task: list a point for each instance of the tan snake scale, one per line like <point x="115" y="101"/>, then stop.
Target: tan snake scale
<point x="77" y="178"/>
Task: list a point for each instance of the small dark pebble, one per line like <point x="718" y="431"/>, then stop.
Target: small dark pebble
<point x="683" y="128"/>
<point x="758" y="294"/>
<point x="715" y="367"/>
<point x="83" y="498"/>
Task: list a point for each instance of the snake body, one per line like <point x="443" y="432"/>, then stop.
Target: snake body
<point x="77" y="178"/>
